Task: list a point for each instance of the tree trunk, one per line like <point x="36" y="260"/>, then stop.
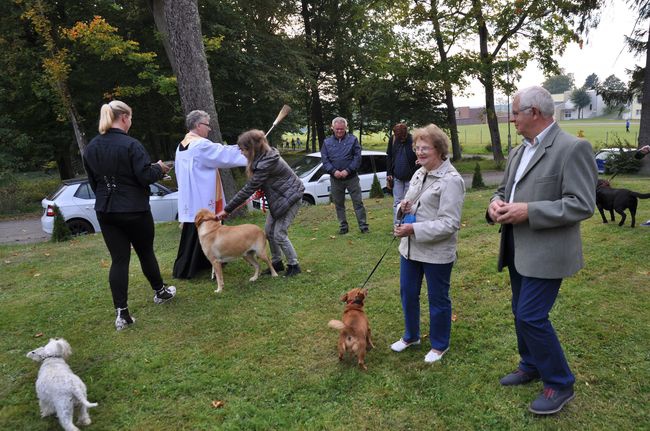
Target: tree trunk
<point x="449" y="95"/>
<point x="180" y="25"/>
<point x="644" y="126"/>
<point x="316" y="112"/>
<point x="487" y="80"/>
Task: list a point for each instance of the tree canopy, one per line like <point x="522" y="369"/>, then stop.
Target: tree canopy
<point x="375" y="63"/>
<point x="558" y="84"/>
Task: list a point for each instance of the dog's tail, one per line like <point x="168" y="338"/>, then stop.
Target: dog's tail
<point x="336" y="324"/>
<point x="641" y="195"/>
<point x="81" y="397"/>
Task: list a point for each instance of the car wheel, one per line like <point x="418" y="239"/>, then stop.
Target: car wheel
<point x="79" y="227"/>
<point x="307" y="201"/>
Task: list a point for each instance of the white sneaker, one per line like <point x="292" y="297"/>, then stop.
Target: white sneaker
<point x="434" y="356"/>
<point x="401" y="345"/>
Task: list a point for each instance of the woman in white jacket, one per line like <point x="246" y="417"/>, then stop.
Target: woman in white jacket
<point x="197" y="162"/>
<point x="430" y="214"/>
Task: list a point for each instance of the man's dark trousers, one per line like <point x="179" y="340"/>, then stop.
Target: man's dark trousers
<point x="539" y="347"/>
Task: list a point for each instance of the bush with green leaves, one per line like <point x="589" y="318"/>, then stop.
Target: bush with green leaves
<point x="622" y="163"/>
<point x="61" y="231"/>
<point x="375" y="190"/>
<point x="477" y="179"/>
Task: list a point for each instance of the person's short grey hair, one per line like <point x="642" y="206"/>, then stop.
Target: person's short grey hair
<point x="194" y="118"/>
<point x="340" y="120"/>
<point x="536" y="97"/>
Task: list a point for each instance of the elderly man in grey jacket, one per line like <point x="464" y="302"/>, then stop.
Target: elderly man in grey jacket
<point x="548" y="187"/>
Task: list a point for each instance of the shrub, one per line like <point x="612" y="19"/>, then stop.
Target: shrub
<point x="622" y="162"/>
<point x="376" y="191"/>
<point x="477" y="179"/>
<point x="61" y="231"/>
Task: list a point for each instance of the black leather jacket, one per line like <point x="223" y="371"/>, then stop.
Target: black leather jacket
<point x="119" y="172"/>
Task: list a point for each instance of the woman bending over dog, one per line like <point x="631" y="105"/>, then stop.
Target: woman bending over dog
<point x="267" y="171"/>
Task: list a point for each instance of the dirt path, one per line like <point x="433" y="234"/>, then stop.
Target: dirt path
<point x="23" y="231"/>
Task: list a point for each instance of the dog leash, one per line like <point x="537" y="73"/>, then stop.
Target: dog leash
<point x="380" y="259"/>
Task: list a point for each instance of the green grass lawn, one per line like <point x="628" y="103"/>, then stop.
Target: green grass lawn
<point x="601" y="132"/>
<point x="265" y="350"/>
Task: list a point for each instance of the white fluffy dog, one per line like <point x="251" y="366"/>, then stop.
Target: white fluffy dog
<point x="57" y="387"/>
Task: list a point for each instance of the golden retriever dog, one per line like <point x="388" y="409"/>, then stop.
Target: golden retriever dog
<point x="222" y="244"/>
<point x="354" y="330"/>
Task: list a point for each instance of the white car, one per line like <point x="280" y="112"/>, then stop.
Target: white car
<point x="317" y="182"/>
<point x="76" y="200"/>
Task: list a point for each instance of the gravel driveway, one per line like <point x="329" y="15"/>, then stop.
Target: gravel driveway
<point x="22" y="231"/>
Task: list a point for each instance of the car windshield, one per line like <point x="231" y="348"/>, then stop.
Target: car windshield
<point x="305" y="165"/>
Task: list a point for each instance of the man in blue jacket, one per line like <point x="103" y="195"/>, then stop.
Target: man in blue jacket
<point x="341" y="156"/>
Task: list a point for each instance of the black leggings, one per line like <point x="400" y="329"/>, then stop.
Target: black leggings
<point x="120" y="230"/>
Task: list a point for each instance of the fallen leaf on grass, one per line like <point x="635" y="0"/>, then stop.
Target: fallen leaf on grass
<point x="38" y="334"/>
<point x="332" y="236"/>
<point x="309" y="270"/>
<point x="7" y="261"/>
<point x="37" y="275"/>
<point x="312" y="239"/>
<point x="217" y="404"/>
<point x="454" y="317"/>
<point x="103" y="264"/>
<point x="47" y="254"/>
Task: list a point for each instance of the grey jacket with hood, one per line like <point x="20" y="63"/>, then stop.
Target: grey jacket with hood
<point x="276" y="179"/>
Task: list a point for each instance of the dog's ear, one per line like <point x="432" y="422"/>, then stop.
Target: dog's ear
<point x="364" y="292"/>
<point x="63" y="349"/>
<point x="344" y="297"/>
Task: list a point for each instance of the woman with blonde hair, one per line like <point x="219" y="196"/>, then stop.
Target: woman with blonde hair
<point x="119" y="172"/>
<point x="283" y="190"/>
<point x="430" y="220"/>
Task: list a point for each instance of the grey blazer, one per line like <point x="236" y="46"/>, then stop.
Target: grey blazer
<point x="559" y="185"/>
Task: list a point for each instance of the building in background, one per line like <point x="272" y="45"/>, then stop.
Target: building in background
<point x="566" y="110"/>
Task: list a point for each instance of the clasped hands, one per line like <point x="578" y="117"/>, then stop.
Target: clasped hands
<point x="340" y="174"/>
<point x="508" y="213"/>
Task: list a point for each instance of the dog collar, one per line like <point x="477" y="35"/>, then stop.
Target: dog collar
<point x="356" y="301"/>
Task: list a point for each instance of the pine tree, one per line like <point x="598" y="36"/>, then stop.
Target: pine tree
<point x="477" y="179"/>
<point x="61" y="231"/>
<point x="375" y="191"/>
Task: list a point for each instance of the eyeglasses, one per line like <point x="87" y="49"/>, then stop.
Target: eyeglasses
<point x="206" y="125"/>
<point x="525" y="108"/>
<point x="423" y="149"/>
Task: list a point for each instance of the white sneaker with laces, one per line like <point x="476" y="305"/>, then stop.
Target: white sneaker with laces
<point x="401" y="345"/>
<point x="434" y="356"/>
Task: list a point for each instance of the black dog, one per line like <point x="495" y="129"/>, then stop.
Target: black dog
<point x="617" y="200"/>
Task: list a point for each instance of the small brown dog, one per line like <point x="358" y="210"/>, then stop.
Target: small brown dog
<point x="354" y="330"/>
<point x="225" y="243"/>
